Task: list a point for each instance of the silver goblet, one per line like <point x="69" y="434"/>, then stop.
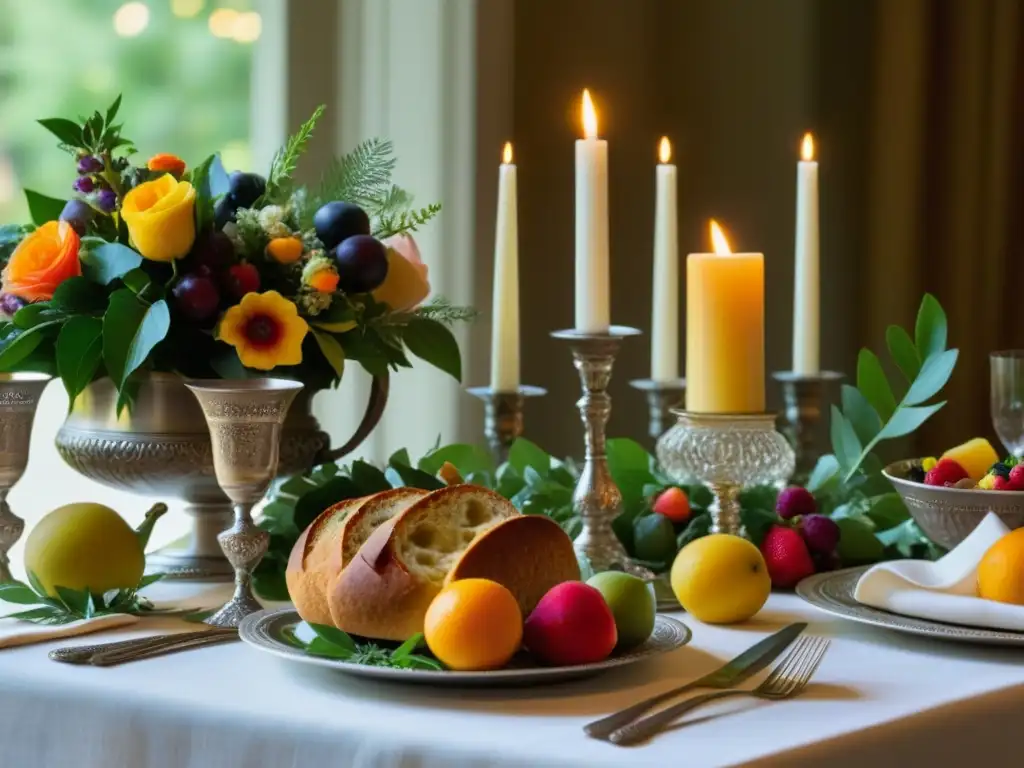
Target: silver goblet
<point x="19" y="397"/>
<point x="245" y="419"/>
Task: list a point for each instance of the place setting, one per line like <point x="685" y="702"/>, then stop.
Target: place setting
<point x="191" y="314"/>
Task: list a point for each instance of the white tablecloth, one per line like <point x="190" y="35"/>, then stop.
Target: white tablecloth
<point x="879" y="698"/>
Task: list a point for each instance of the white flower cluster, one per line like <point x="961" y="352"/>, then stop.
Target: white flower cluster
<point x="272" y="222"/>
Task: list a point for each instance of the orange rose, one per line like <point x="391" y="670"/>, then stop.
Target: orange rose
<point x="167" y="163"/>
<point x="42" y="261"/>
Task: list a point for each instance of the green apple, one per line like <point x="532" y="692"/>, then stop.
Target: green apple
<point x="632" y="602"/>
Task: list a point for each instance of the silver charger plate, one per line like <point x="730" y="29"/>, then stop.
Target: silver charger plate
<point x="833" y="593"/>
<point x="263" y="631"/>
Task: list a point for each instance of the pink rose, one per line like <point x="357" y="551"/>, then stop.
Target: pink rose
<point x="406" y="285"/>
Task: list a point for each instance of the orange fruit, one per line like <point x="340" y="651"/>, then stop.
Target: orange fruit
<point x="473" y="624"/>
<point x="1001" y="570"/>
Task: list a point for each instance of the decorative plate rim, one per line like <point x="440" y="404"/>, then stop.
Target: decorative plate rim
<point x="832" y="593"/>
<point x="258" y="631"/>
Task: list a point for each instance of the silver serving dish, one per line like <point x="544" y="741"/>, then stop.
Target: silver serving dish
<point x="948" y="515"/>
<point x="833" y="593"/>
<point x="263" y="631"/>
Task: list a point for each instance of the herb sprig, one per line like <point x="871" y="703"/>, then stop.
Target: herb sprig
<point x="73" y="604"/>
<point x="333" y="643"/>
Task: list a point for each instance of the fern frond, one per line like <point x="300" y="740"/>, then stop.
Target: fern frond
<point x="401" y="222"/>
<point x="287" y="159"/>
<point x="441" y="309"/>
<point x="362" y="176"/>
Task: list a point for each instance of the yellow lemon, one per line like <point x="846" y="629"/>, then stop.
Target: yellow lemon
<point x="473" y="624"/>
<point x="84" y="546"/>
<point x="720" y="579"/>
<point x="1001" y="570"/>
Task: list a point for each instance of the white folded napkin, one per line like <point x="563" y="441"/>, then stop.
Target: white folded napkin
<point x="16" y="632"/>
<point x="945" y="590"/>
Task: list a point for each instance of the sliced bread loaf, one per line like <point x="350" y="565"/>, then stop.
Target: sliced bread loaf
<point x="385" y="590"/>
<point x="528" y="554"/>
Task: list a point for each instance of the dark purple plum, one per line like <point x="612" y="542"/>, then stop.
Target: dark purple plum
<point x="196" y="297"/>
<point x="362" y="264"/>
<point x="212" y="249"/>
<point x="336" y="222"/>
<point x="245" y="188"/>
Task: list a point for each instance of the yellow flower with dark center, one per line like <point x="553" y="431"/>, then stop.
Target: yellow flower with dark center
<point x="265" y="329"/>
<point x="160" y="220"/>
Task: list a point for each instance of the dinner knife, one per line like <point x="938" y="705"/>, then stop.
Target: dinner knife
<point x="748" y="663"/>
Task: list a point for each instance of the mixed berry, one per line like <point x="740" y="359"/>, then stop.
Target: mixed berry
<point x="975" y="464"/>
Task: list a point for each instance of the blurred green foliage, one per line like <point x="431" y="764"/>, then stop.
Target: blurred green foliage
<point x="185" y="90"/>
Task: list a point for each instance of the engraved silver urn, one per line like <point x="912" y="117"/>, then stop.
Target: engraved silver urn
<point x="161" y="449"/>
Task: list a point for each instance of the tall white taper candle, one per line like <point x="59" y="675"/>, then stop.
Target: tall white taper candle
<point x="665" y="305"/>
<point x="505" y="330"/>
<point x="592" y="294"/>
<point x="807" y="283"/>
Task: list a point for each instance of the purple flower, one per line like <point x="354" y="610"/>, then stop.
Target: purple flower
<point x="106" y="200"/>
<point x="84" y="184"/>
<point x="9" y="304"/>
<point x="89" y="164"/>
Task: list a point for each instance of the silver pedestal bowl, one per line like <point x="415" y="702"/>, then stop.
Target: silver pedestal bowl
<point x="162" y="449"/>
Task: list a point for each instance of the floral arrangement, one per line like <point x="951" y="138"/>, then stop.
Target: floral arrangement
<point x="168" y="267"/>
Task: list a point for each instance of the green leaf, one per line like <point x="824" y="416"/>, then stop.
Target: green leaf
<point x="845" y="444"/>
<point x="44" y="614"/>
<point x="411" y="645"/>
<point x="15" y="347"/>
<point x="43" y="208"/>
<point x="760" y="497"/>
<point x="78" y="295"/>
<point x="433" y="342"/>
<point x="908" y="419"/>
<point x="887" y="511"/>
<point x="401" y="456"/>
<point x="112" y="111"/>
<point x="523" y="453"/>
<point x="411" y="477"/>
<point x="933" y="376"/>
<point x="75" y="600"/>
<point x="930" y="329"/>
<point x="860" y="414"/>
<point x="698" y="526"/>
<point x="200" y="179"/>
<point x="286" y="160"/>
<point x="219" y="181"/>
<point x="467" y="459"/>
<point x="18" y="593"/>
<point x="857" y="542"/>
<point x="130" y="331"/>
<point x="368" y="478"/>
<point x="79" y="351"/>
<point x="32" y="315"/>
<point x="873" y="385"/>
<point x="334" y="636"/>
<point x="825" y="471"/>
<point x="313" y="502"/>
<point x="903" y="351"/>
<point x="68" y="131"/>
<point x="137" y="281"/>
<point x="35" y="583"/>
<point x="630" y="467"/>
<point x="150" y="578"/>
<point x="332" y="351"/>
<point x="320" y="647"/>
<point x="757" y="522"/>
<point x="107" y="263"/>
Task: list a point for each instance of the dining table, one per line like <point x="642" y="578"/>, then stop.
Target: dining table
<point x="879" y="698"/>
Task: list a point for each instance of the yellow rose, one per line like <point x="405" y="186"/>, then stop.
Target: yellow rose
<point x="160" y="219"/>
<point x="406" y="284"/>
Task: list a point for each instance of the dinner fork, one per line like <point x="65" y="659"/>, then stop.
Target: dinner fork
<point x="787" y="679"/>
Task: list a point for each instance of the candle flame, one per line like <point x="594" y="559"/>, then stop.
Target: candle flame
<point x="664" y="150"/>
<point x="718" y="241"/>
<point x="506" y="153"/>
<point x="589" y="116"/>
<point x="807" y="148"/>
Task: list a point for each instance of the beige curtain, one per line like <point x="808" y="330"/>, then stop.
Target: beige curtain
<point x="946" y="177"/>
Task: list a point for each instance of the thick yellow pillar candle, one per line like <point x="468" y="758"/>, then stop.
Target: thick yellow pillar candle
<point x="724" y="330"/>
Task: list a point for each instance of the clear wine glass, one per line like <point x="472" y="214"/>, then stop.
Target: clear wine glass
<point x="1008" y="398"/>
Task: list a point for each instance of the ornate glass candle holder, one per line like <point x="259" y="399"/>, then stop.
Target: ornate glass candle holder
<point x="503" y="416"/>
<point x="727" y="452"/>
<point x="806" y="398"/>
<point x="597" y="499"/>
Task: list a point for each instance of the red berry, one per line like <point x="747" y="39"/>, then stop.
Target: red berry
<point x="196" y="297"/>
<point x="821" y="533"/>
<point x="785" y="554"/>
<point x="795" y="501"/>
<point x="240" y="280"/>
<point x="946" y="471"/>
<point x="1002" y="484"/>
<point x="673" y="504"/>
<point x="1017" y="478"/>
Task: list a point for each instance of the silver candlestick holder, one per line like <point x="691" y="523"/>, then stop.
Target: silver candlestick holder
<point x="503" y="416"/>
<point x="597" y="500"/>
<point x="662" y="397"/>
<point x="806" y="398"/>
<point x="726" y="452"/>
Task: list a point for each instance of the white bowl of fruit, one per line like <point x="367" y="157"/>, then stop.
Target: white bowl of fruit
<point x="949" y="495"/>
